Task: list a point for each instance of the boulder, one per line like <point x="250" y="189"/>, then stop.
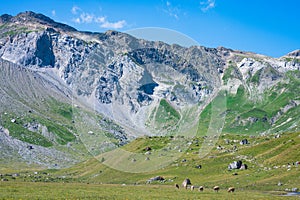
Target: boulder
<point x="236" y="165"/>
<point x="295" y="189"/>
<point x="30" y="147"/>
<point x="198" y="166"/>
<point x="156" y="178"/>
<point x="244" y="142"/>
<point x="148" y="149"/>
<point x="244" y="166"/>
<point x="91" y="133"/>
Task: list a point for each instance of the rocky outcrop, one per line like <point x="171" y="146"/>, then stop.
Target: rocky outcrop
<point x="285" y="109"/>
<point x="44" y="55"/>
<point x="16" y="150"/>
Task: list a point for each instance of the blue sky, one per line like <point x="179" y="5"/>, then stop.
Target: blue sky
<point x="266" y="27"/>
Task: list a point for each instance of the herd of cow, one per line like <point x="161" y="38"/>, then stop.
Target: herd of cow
<point x="187" y="182"/>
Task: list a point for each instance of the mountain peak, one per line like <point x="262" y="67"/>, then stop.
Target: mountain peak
<point x="5" y="18"/>
<point x="29" y="16"/>
<point x="36" y="18"/>
<point x="295" y="53"/>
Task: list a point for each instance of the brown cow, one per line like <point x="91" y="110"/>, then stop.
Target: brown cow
<point x="216" y="188"/>
<point x="231" y="189"/>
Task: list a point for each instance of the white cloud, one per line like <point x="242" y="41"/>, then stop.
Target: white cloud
<point x="115" y="25"/>
<point x="76" y="20"/>
<point x="100" y="19"/>
<point x="83" y="17"/>
<point x="53" y="12"/>
<point x="75" y="10"/>
<point x="171" y="10"/>
<point x="207" y="5"/>
<point x="86" y="18"/>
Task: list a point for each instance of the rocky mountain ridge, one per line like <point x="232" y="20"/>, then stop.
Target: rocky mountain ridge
<point x="137" y="87"/>
<point x="102" y="69"/>
<point x="35" y="20"/>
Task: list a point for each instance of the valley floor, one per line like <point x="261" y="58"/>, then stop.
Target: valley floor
<point x="30" y="190"/>
<point x="272" y="169"/>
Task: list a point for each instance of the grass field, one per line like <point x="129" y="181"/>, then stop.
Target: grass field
<point x="21" y="190"/>
<point x="267" y="159"/>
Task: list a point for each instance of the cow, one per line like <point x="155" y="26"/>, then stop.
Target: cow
<point x="216" y="188"/>
<point x="186" y="182"/>
<point x="231" y="189"/>
<point x="201" y="188"/>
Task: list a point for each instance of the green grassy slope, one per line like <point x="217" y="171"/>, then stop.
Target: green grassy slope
<point x="274" y="110"/>
<point x="164" y="117"/>
<point x="58" y="121"/>
<point x="267" y="159"/>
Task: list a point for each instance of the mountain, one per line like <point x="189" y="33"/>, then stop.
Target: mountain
<point x="67" y="94"/>
<point x="262" y="94"/>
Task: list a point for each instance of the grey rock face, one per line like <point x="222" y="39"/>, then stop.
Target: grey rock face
<point x="44" y="51"/>
<point x="109" y="82"/>
<point x="32" y="49"/>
